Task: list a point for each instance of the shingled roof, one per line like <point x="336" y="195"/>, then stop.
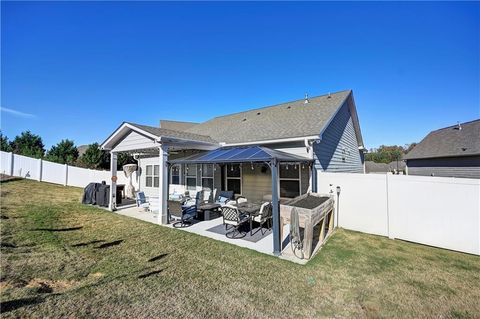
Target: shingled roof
<point x="287" y="120"/>
<point x="449" y="142"/>
<point x="163" y="132"/>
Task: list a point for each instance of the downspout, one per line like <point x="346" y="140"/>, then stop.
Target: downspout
<point x="313" y="172"/>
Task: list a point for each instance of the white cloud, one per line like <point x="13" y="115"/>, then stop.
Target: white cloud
<point x="16" y="113"/>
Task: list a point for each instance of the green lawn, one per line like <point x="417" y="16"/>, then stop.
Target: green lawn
<point x="62" y="259"/>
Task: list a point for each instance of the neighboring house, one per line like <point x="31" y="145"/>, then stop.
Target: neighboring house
<point x="376" y="168"/>
<point x="452" y="151"/>
<point x="397" y="167"/>
<point x="81" y="150"/>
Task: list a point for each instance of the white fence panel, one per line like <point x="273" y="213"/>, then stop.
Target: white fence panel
<point x="25" y="167"/>
<point x="53" y="172"/>
<point x="5" y="163"/>
<point x="437" y="211"/>
<point x="362" y="204"/>
<point x="81" y="177"/>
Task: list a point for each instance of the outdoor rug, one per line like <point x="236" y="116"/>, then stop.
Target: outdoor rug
<point x="244" y="229"/>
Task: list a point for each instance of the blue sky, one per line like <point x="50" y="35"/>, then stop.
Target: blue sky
<point x="77" y="70"/>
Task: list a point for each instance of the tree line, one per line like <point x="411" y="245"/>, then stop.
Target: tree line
<point x="64" y="152"/>
<point x="387" y="154"/>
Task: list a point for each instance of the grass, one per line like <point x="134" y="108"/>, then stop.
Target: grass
<point x="62" y="259"/>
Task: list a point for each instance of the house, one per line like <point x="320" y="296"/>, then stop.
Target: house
<point x="452" y="151"/>
<point x="271" y="152"/>
<point x="376" y="168"/>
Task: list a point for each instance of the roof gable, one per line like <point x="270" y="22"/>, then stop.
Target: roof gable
<point x="449" y="142"/>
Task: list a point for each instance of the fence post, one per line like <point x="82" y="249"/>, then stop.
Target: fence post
<point x="12" y="156"/>
<point x="389" y="217"/>
<point x="40" y="168"/>
<point x="66" y="175"/>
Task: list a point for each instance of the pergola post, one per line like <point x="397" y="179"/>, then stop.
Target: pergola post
<point x="112" y="202"/>
<point x="163" y="185"/>
<point x="277" y="241"/>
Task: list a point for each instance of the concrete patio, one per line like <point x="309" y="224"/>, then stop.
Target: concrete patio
<point x="264" y="245"/>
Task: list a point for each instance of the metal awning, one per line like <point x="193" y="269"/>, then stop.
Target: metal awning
<point x="240" y="154"/>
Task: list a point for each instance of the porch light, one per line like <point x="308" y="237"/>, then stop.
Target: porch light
<point x="287" y="167"/>
<point x="231" y="168"/>
<point x="295" y="166"/>
<point x="303" y="165"/>
<point x="252" y="166"/>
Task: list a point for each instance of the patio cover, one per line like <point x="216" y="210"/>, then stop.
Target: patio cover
<point x="251" y="154"/>
<point x="240" y="154"/>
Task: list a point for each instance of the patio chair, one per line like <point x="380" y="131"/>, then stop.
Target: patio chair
<point x="186" y="218"/>
<point x="264" y="216"/>
<point x="234" y="217"/>
<point x="197" y="201"/>
<point x="223" y="197"/>
<point x="241" y="199"/>
<point x="141" y="201"/>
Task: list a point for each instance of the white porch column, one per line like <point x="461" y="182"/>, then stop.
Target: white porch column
<point x="163" y="185"/>
<point x="112" y="202"/>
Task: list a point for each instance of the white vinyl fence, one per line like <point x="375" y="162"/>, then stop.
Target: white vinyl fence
<point x="44" y="171"/>
<point x="436" y="211"/>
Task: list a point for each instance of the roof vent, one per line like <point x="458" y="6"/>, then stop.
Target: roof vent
<point x="306" y="98"/>
<point x="459" y="127"/>
<point x="258" y="113"/>
<point x="289" y="107"/>
<point x="244" y="120"/>
<point x="329" y="96"/>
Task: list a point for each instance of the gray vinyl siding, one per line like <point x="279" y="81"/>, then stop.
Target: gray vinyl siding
<point x="134" y="141"/>
<point x="296" y="148"/>
<point x="462" y="167"/>
<point x="329" y="154"/>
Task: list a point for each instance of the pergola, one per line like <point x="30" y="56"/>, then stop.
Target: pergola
<point x="251" y="155"/>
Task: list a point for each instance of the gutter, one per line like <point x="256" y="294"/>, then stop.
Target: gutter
<point x="281" y="140"/>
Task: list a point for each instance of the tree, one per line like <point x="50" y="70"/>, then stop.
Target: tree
<point x="4" y="143"/>
<point x="28" y="144"/>
<point x="95" y="158"/>
<point x="64" y="152"/>
<point x="385" y="154"/>
<point x="123" y="159"/>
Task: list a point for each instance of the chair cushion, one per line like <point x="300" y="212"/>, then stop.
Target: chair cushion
<point x="222" y="200"/>
<point x="227" y="194"/>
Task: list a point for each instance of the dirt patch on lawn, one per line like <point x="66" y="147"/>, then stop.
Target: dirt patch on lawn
<point x="50" y="286"/>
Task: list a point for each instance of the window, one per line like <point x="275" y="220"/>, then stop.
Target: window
<point x="234" y="178"/>
<point x="152" y="177"/>
<point x="207" y="176"/>
<point x="175" y="174"/>
<point x="289" y="180"/>
<point x="191" y="176"/>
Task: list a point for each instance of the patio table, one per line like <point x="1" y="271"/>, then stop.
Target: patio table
<point x="252" y="209"/>
<point x="207" y="208"/>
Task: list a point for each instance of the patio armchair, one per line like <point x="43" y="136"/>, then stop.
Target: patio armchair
<point x="264" y="216"/>
<point x="234" y="217"/>
<point x="186" y="218"/>
<point x="197" y="201"/>
<point x="223" y="197"/>
<point x="241" y="199"/>
<point x="141" y="201"/>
